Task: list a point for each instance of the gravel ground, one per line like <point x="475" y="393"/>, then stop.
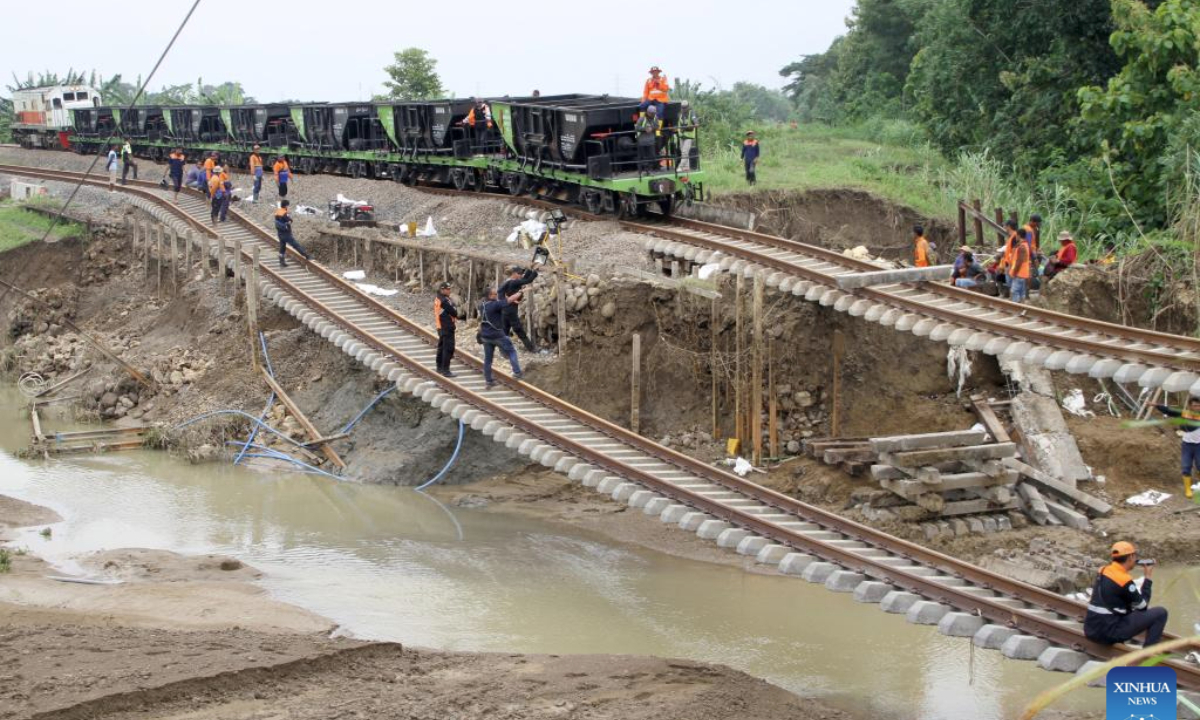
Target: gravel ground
<point x="479" y="223"/>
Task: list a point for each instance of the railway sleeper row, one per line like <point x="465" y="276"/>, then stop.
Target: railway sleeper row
<point x="879" y="579"/>
<point x="957" y="334"/>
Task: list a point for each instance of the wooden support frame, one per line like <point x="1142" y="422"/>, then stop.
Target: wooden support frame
<point x="305" y="423"/>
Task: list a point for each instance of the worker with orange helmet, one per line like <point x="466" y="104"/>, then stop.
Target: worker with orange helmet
<point x="656" y="92"/>
<point x="1119" y="610"/>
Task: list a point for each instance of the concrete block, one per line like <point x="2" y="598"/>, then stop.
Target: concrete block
<point x="710" y="529"/>
<point x="692" y="520"/>
<point x="818" y="572"/>
<point x="528" y="445"/>
<point x="993" y="637"/>
<point x="730" y="537"/>
<point x="844" y="580"/>
<point x="577" y="472"/>
<point x="639" y="498"/>
<point x="672" y="513"/>
<point x="794" y="563"/>
<point x="1088" y="667"/>
<point x="608" y="484"/>
<point x="976" y="525"/>
<point x="751" y="545"/>
<point x="960" y="624"/>
<point x="656" y="506"/>
<point x="593" y="478"/>
<point x="622" y="492"/>
<point x="1024" y="647"/>
<point x="872" y="591"/>
<point x="898" y="601"/>
<point x="989" y="525"/>
<point x="550" y="458"/>
<point x="926" y="612"/>
<point x="772" y="554"/>
<point x="1059" y="659"/>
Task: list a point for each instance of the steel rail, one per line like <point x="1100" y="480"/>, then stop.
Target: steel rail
<point x="1025" y="619"/>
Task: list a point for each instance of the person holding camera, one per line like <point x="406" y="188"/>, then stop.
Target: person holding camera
<point x="1118" y="609"/>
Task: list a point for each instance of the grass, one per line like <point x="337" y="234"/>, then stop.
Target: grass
<point x="5" y="561"/>
<point x="885" y="158"/>
<point x="19" y="226"/>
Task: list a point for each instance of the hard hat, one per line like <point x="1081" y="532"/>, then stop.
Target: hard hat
<point x="655" y="69"/>
<point x="1123" y="548"/>
<point x="445" y="286"/>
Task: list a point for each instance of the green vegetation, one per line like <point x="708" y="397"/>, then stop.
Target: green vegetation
<point x="413" y="77"/>
<point x="19" y="226"/>
<point x="5" y="561"/>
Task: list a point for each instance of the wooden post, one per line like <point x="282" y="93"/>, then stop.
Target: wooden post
<point x="962" y="223"/>
<point x="239" y="272"/>
<point x="839" y="348"/>
<point x="303" y="421"/>
<point x="354" y="246"/>
<point x="561" y="289"/>
<point x="772" y="401"/>
<point x="158" y="241"/>
<point x="222" y="262"/>
<point x="252" y="304"/>
<point x="739" y="402"/>
<point x="205" y="256"/>
<point x="530" y="315"/>
<point x="470" y="285"/>
<point x="978" y="225"/>
<point x="712" y="370"/>
<point x="421" y="268"/>
<point x="445" y="267"/>
<point x="337" y="244"/>
<point x="635" y="384"/>
<point x="757" y="371"/>
<point x="187" y="256"/>
<point x="173" y="238"/>
<point x="1000" y="218"/>
<point x="146" y="241"/>
<point x="396" y="264"/>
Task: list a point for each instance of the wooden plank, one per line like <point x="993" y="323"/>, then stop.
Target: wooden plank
<point x="988" y="417"/>
<point x="888" y="472"/>
<point x="326" y="439"/>
<point x="1035" y="506"/>
<point x="37" y="425"/>
<point x="303" y="420"/>
<point x="833" y="456"/>
<point x="756" y="370"/>
<point x="968" y="481"/>
<point x="958" y="438"/>
<point x="921" y="458"/>
<point x="59" y="384"/>
<point x="1094" y="505"/>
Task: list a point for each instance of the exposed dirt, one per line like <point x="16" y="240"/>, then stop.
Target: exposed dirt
<point x="841" y="219"/>
<point x="1115" y="294"/>
<point x="16" y="513"/>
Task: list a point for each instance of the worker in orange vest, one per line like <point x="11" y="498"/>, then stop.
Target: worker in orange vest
<point x="256" y="171"/>
<point x="480" y="121"/>
<point x="283" y="174"/>
<point x="920" y="247"/>
<point x="656" y="92"/>
<point x="1019" y="272"/>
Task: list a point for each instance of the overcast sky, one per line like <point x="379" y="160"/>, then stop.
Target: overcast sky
<point x="331" y="50"/>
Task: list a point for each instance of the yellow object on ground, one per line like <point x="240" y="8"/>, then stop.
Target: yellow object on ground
<point x="732" y="446"/>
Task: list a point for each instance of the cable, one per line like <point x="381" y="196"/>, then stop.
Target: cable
<point x="450" y="462"/>
<point x="262" y="338"/>
<point x="273" y="454"/>
<point x="54" y="219"/>
<point x="239" y="413"/>
<point x="350" y="425"/>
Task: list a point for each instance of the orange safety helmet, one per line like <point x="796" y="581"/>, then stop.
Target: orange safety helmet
<point x="1123" y="548"/>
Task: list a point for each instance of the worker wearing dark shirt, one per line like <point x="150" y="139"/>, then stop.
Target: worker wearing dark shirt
<point x="517" y="279"/>
<point x="491" y="332"/>
<point x="445" y="317"/>
<point x="750" y="152"/>
<point x="175" y="163"/>
<point x="1118" y="610"/>
<point x="283" y="228"/>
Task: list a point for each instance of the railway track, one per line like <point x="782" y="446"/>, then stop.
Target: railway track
<point x="940" y="311"/>
<point x="1023" y="621"/>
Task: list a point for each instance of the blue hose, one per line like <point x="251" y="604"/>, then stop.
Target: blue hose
<point x="262" y="338"/>
<point x="271" y="453"/>
<point x="450" y="462"/>
<point x="350" y="425"/>
<point x="239" y="413"/>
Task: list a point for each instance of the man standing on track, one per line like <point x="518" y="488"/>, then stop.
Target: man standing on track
<point x="256" y="170"/>
<point x="491" y="331"/>
<point x="113" y="160"/>
<point x="127" y="162"/>
<point x="216" y="192"/>
<point x="920" y="247"/>
<point x="175" y="163"/>
<point x="283" y="175"/>
<point x="445" y="317"/>
<point x="1118" y="610"/>
<point x="517" y="279"/>
<point x="1020" y="272"/>
<point x="283" y="228"/>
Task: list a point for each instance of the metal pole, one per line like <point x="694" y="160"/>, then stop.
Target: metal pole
<point x="635" y="385"/>
<point x="187" y="255"/>
<point x="772" y="401"/>
<point x="145" y="248"/>
<point x="560" y="288"/>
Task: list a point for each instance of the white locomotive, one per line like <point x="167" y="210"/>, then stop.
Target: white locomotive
<point x="42" y="115"/>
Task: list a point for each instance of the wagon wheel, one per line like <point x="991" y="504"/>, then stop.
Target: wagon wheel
<point x="592" y="202"/>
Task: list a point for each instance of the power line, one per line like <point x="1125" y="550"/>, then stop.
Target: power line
<point x="116" y="128"/>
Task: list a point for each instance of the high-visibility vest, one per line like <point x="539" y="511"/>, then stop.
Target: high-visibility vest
<point x="656" y="89"/>
<point x="256" y="163"/>
<point x="1033" y="236"/>
<point x="209" y="164"/>
<point x="921" y="252"/>
<point x="282" y="170"/>
<point x="1020" y="261"/>
<point x="484" y="110"/>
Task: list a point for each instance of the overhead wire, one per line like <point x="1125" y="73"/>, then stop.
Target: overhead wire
<point x="56" y="218"/>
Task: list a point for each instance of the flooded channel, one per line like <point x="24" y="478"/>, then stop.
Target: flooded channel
<point x="390" y="563"/>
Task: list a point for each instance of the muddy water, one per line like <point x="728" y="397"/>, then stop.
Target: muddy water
<point x="393" y="564"/>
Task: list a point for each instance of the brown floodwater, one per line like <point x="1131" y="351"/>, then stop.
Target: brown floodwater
<point x="391" y="563"/>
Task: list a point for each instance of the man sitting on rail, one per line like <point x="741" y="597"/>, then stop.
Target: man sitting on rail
<point x="1118" y="609"/>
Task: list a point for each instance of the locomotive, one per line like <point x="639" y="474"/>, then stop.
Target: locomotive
<point x="578" y="149"/>
<point x="41" y="116"/>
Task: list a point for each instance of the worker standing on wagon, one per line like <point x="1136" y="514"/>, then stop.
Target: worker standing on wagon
<point x="256" y="171"/>
<point x="491" y="331"/>
<point x="750" y="152"/>
<point x="1118" y="610"/>
<point x="647" y="129"/>
<point x="175" y="163"/>
<point x="283" y="228"/>
<point x="480" y="121"/>
<point x="445" y="317"/>
<point x="1190" y="447"/>
<point x="920" y="247"/>
<point x="127" y="162"/>
<point x="517" y="278"/>
<point x="688" y="127"/>
<point x="656" y="92"/>
<point x="283" y="175"/>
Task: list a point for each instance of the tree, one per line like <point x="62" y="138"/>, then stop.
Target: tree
<point x="413" y="76"/>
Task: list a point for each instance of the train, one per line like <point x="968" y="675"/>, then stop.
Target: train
<point x="41" y="115"/>
<point x="577" y="148"/>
